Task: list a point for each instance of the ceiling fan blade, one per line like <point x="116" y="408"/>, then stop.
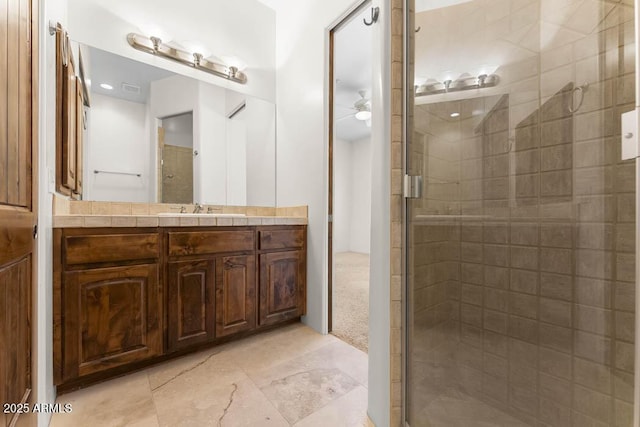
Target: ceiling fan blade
<point x="348" y="107"/>
<point x="344" y="117"/>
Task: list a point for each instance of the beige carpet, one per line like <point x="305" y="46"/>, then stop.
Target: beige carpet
<point x="351" y="299"/>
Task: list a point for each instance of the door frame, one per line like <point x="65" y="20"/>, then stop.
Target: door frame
<point x="342" y="20"/>
<point x="408" y="23"/>
<point x="636" y="392"/>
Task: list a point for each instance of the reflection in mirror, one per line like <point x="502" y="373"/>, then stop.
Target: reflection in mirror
<point x="175" y="146"/>
<point x="156" y="136"/>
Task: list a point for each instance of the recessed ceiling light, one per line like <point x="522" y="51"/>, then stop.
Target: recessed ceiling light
<point x="106" y="86"/>
<point x="454" y="115"/>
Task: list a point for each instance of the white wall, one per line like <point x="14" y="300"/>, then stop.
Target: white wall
<point x="352" y="195"/>
<point x="245" y="29"/>
<point x="178" y="130"/>
<point x="209" y="139"/>
<point x="236" y="162"/>
<point x="360" y="230"/>
<point x="122" y="148"/>
<point x="302" y="103"/>
<point x="342" y="187"/>
<point x="260" y="117"/>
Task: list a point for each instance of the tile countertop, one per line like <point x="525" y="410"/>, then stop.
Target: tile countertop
<point x="177" y="220"/>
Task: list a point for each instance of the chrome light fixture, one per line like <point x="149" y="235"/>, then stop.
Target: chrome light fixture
<point x="465" y="82"/>
<point x="154" y="46"/>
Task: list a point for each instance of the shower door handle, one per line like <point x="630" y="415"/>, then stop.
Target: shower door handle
<point x="412" y="186"/>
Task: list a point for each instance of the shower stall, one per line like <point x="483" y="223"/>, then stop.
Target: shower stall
<point x="521" y="247"/>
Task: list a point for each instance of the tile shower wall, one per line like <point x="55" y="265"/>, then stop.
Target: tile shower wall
<point x="523" y="245"/>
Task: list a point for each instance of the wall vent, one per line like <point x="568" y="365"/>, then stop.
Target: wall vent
<point x="129" y="88"/>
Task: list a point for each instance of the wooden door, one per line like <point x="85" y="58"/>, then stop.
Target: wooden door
<point x="112" y="317"/>
<point x="235" y="294"/>
<point x="282" y="286"/>
<point x="190" y="295"/>
<point x="18" y="136"/>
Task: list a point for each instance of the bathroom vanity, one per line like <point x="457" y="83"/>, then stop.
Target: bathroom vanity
<point x="126" y="297"/>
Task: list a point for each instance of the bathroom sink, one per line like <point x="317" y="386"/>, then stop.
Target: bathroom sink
<point x="203" y="215"/>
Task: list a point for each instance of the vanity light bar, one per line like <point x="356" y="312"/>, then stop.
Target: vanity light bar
<point x="154" y="46"/>
<point x="465" y="83"/>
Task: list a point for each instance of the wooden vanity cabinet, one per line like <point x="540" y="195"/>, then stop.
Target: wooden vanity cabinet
<point x="126" y="297"/>
<point x="211" y="285"/>
<point x="282" y="273"/>
<point x="107" y="309"/>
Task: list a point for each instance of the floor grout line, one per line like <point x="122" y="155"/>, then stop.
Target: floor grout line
<point x="184" y="371"/>
<point x="153" y="400"/>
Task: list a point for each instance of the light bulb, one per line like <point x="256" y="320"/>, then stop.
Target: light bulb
<point x="363" y="115"/>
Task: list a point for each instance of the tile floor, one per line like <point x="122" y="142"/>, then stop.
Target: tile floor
<point x="292" y="376"/>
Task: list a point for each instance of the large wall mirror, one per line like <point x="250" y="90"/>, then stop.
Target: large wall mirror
<point x="154" y="136"/>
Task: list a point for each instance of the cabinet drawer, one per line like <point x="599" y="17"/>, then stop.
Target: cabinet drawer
<point x="111" y="248"/>
<point x="210" y="242"/>
<point x="281" y="239"/>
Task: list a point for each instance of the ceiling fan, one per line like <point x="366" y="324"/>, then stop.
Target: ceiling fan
<point x="361" y="108"/>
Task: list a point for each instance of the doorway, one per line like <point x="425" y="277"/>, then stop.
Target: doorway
<point x="175" y="145"/>
<point x="521" y="248"/>
<point x="350" y="178"/>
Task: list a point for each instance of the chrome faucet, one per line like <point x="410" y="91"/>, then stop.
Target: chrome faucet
<point x="197" y="208"/>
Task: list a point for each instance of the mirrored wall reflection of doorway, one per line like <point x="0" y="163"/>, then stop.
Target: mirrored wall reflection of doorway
<point x="175" y="145"/>
<point x="350" y="182"/>
<point x="521" y="249"/>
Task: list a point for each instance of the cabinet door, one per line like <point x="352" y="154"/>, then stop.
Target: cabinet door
<point x="112" y="317"/>
<point x="69" y="131"/>
<point x="80" y="129"/>
<point x="235" y="294"/>
<point x="282" y="286"/>
<point x="191" y="303"/>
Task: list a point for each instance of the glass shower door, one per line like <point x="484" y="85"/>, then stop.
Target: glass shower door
<point x="521" y="248"/>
